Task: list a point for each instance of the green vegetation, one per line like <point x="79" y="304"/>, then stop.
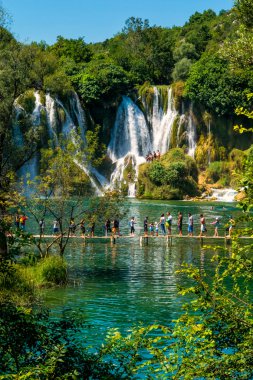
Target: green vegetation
<point x="172" y="177"/>
<point x="27" y="101"/>
<point x="214" y="86"/>
<point x="96" y="151"/>
<point x="49" y="271"/>
<point x="209" y="59"/>
<point x="102" y="82"/>
<point x="213" y="337"/>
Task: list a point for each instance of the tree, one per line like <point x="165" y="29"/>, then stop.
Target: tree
<point x="245" y="9"/>
<point x="239" y="50"/>
<point x="75" y="49"/>
<point x="211" y="83"/>
<point x="181" y="69"/>
<point x="102" y="82"/>
<point x="144" y="51"/>
<point x="62" y="193"/>
<point x="16" y="63"/>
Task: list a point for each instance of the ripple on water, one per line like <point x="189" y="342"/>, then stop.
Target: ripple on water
<point x="123" y="284"/>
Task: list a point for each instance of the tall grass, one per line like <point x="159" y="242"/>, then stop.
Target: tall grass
<point x="49" y="271"/>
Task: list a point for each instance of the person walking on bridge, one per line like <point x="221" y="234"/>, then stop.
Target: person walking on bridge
<point x="180" y="223"/>
<point x="132" y="223"/>
<point x="190" y="224"/>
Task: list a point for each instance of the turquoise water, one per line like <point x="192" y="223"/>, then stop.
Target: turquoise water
<point x="118" y="285"/>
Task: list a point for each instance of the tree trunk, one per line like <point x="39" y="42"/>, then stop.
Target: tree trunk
<point x="3" y="245"/>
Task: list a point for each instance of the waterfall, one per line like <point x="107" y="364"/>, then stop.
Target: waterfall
<point x="191" y="133"/>
<point x="37" y="109"/>
<point x="181" y="122"/>
<point x="130" y="139"/>
<point x="51" y="118"/>
<point x="79" y="113"/>
<point x="70" y="130"/>
<point x="162" y="123"/>
<point x="133" y="135"/>
<point x="157" y="116"/>
<point x="131" y="190"/>
<point x="223" y="195"/>
<point x="33" y="163"/>
<point x="17" y="134"/>
<point x="130" y="133"/>
<point x="30" y="168"/>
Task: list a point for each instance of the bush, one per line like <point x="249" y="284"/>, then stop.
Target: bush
<point x="176" y="173"/>
<point x="237" y="158"/>
<point x="172" y="177"/>
<point x="54" y="270"/>
<point x="219" y="171"/>
<point x="157" y="173"/>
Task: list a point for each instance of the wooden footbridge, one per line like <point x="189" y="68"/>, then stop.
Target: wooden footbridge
<point x="142" y="239"/>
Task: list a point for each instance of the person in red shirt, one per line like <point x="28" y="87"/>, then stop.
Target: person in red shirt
<point x="23" y="220"/>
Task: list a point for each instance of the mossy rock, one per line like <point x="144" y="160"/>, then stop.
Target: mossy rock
<point x="146" y="92"/>
<point x="42" y="98"/>
<point x="178" y="93"/>
<point x="172" y="177"/>
<point x="61" y="115"/>
<point x="27" y="101"/>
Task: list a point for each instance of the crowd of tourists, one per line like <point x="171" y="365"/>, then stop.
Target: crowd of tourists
<point x="153" y="156"/>
<point x="164" y="225"/>
<point x="153" y="228"/>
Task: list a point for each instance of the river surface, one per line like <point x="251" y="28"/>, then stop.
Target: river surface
<point x="122" y="284"/>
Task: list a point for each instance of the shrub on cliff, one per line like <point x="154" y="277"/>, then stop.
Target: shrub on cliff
<point x="172" y="177"/>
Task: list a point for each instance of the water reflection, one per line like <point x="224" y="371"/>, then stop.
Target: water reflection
<point x="117" y="285"/>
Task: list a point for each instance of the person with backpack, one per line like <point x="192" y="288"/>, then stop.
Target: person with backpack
<point x="82" y="228"/>
<point x="72" y="227"/>
<point x="162" y="224"/>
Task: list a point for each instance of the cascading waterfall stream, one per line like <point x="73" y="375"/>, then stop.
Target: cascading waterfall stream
<point x="130" y="133"/>
<point x="191" y="132"/>
<point x="30" y="169"/>
<point x="135" y="134"/>
<point x="162" y="123"/>
<point x="69" y="130"/>
<point x="182" y="120"/>
<point x="51" y="118"/>
<point x="131" y="138"/>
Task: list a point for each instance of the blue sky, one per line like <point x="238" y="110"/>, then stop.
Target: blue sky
<point x="96" y="20"/>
